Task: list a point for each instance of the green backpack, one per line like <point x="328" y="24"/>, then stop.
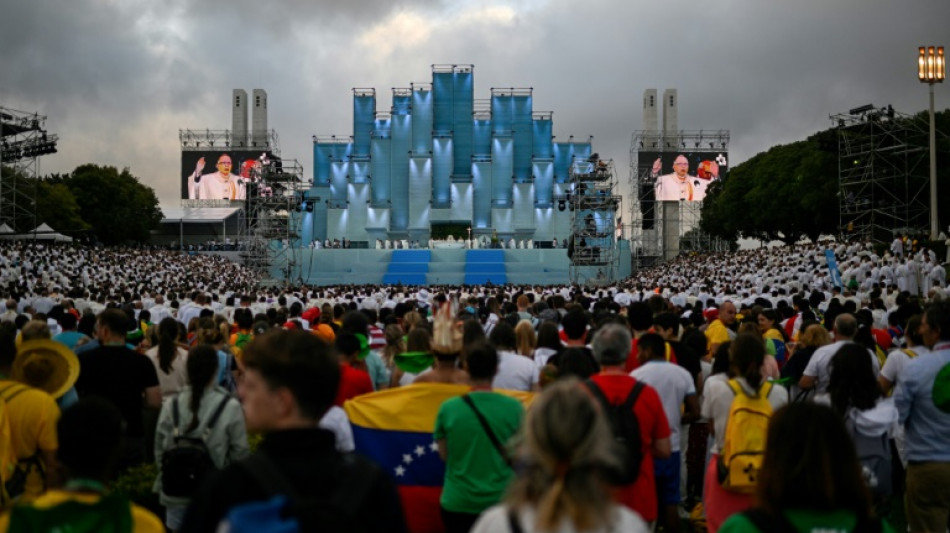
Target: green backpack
<point x="111" y="514"/>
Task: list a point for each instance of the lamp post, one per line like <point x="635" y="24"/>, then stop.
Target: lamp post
<point x="470" y="237"/>
<point x="931" y="69"/>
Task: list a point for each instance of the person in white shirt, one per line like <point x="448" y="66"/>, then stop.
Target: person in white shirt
<point x="515" y="372"/>
<point x="567" y="437"/>
<point x="676" y="388"/>
<point x="818" y="372"/>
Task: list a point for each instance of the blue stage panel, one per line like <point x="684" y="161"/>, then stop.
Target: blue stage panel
<point x="411" y="256"/>
<point x="414" y="268"/>
<point x="484" y="256"/>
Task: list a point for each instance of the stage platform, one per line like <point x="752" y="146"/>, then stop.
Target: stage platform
<point x="430" y="267"/>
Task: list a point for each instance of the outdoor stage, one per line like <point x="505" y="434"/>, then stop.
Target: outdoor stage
<point x="440" y="266"/>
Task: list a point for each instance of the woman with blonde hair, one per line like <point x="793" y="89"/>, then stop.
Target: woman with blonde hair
<point x="813" y="336"/>
<point x="412" y="320"/>
<point x="395" y="344"/>
<point x="566" y="449"/>
<point x="525" y="338"/>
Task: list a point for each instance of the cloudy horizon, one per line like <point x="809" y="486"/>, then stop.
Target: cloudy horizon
<point x="118" y="79"/>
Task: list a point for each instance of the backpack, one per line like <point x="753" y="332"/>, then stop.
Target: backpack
<point x="626" y="430"/>
<point x="874" y="454"/>
<point x="187" y="462"/>
<point x="741" y="456"/>
<point x="227" y="364"/>
<point x="111" y="514"/>
<point x="287" y="512"/>
<point x="13" y="471"/>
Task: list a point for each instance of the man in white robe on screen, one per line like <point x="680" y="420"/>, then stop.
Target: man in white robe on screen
<point x="220" y="185"/>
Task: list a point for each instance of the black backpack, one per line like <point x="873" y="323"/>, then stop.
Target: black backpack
<point x="188" y="462"/>
<point x="626" y="431"/>
<point x="288" y="511"/>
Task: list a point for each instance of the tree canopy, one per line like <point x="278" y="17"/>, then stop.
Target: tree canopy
<point x="92" y="202"/>
<point x="786" y="193"/>
<point x="791" y="191"/>
<point x="115" y="204"/>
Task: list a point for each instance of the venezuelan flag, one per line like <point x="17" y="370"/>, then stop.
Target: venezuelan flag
<point x="394" y="427"/>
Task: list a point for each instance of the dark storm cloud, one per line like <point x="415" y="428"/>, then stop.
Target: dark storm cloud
<point x="119" y="77"/>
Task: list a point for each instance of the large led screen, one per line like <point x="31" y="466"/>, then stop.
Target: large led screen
<point x="219" y="174"/>
<point x="676" y="177"/>
<point x="681" y="176"/>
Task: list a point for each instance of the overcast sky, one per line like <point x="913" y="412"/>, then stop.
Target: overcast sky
<point x="119" y="78"/>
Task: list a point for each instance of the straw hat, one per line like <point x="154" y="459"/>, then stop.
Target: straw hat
<point x="47" y="365"/>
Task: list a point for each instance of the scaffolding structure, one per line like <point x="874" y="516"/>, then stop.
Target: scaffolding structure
<point x="199" y="140"/>
<point x="594" y="203"/>
<point x="883" y="174"/>
<point x="276" y="197"/>
<point x="660" y="231"/>
<point x="23" y="140"/>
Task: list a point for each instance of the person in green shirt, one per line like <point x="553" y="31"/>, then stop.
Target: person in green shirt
<point x="477" y="470"/>
<point x="810" y="479"/>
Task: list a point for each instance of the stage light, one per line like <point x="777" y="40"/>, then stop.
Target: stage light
<point x="310" y="207"/>
<point x="561" y="206"/>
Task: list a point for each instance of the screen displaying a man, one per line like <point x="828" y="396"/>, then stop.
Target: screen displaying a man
<point x="220" y="185"/>
<point x="679" y="185"/>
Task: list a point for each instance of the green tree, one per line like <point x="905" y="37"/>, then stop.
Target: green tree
<point x="115" y="204"/>
<point x="56" y="206"/>
<point x="786" y="193"/>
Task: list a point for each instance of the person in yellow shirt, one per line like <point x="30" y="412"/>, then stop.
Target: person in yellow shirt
<point x="90" y="446"/>
<point x="32" y="414"/>
<point x="720" y="330"/>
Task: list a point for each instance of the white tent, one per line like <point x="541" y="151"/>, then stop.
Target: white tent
<point x="42" y="233"/>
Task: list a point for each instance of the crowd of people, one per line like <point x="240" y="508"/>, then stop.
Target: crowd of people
<point x="751" y="391"/>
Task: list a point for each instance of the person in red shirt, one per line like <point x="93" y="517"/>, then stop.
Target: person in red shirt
<point x="611" y="345"/>
<point x="354" y="379"/>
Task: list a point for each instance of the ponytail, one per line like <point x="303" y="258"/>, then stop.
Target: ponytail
<point x="167" y="343"/>
<point x="202" y="368"/>
<point x="746" y="354"/>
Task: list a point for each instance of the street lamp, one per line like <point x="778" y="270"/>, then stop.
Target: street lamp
<point x="931" y="68"/>
<point x="469" y="237"/>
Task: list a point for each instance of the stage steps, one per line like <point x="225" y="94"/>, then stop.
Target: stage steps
<point x="483" y="266"/>
<point x="408" y="267"/>
<point x="430" y="267"/>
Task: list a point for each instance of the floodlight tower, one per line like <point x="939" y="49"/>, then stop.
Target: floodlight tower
<point x="931" y="69"/>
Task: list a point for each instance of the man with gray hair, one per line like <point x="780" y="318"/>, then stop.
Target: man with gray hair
<point x="818" y="372"/>
<point x="611" y="346"/>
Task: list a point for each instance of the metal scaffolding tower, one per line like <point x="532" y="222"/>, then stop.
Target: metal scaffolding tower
<point x="883" y="174"/>
<point x="24" y="140"/>
<point x="594" y="203"/>
<point x="272" y="210"/>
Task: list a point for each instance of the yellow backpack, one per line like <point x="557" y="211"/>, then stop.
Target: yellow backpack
<point x="741" y="456"/>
